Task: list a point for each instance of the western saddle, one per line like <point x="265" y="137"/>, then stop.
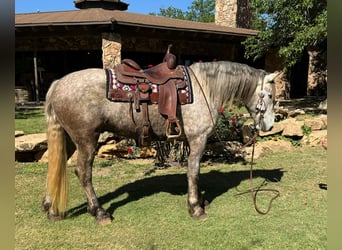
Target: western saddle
<point x="165" y="77"/>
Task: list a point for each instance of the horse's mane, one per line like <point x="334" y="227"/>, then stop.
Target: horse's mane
<point x="227" y="81"/>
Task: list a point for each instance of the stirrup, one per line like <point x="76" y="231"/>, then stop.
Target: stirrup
<point x="168" y="129"/>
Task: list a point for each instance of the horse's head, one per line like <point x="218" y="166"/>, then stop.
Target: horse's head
<point x="261" y="106"/>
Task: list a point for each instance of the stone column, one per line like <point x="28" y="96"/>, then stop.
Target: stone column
<point x="317" y="73"/>
<point x="111" y="50"/>
<point x="275" y="63"/>
<point x="233" y="13"/>
<point x="225" y="12"/>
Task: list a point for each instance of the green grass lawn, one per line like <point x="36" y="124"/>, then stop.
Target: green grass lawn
<point x="30" y="121"/>
<point x="150" y="211"/>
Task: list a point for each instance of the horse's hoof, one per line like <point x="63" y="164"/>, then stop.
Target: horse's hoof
<point x="103" y="217"/>
<point x="198" y="213"/>
<point x="202" y="216"/>
<point x="53" y="217"/>
<point x="104" y="221"/>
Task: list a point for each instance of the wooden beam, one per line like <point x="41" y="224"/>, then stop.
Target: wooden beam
<point x="36" y="76"/>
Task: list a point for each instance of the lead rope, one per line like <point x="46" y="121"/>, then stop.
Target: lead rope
<point x="252" y="190"/>
<point x="255" y="192"/>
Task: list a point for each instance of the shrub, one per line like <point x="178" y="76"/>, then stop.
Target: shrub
<point x="229" y="124"/>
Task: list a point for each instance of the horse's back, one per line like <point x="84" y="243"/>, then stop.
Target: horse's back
<point x="82" y="79"/>
<point x="79" y="96"/>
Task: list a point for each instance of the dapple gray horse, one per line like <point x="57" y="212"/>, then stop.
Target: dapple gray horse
<point x="77" y="111"/>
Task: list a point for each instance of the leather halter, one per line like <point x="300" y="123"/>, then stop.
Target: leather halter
<point x="261" y="108"/>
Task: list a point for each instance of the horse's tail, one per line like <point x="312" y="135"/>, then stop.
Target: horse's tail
<point x="57" y="184"/>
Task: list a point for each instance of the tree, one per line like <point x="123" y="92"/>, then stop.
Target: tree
<point x="199" y="11"/>
<point x="293" y="26"/>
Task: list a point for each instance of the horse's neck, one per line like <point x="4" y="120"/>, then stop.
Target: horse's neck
<point x="222" y="87"/>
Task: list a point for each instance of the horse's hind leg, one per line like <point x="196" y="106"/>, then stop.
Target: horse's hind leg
<point x="195" y="202"/>
<point x="86" y="154"/>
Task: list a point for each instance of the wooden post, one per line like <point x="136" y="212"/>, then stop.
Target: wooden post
<point x="36" y="84"/>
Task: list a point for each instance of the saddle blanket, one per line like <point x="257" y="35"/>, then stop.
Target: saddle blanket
<point x="122" y="92"/>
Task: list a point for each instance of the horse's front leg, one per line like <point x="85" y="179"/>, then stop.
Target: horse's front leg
<point x="195" y="201"/>
<point x="86" y="154"/>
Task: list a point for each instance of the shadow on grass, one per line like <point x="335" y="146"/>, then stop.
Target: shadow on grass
<point x="213" y="184"/>
<point x="26" y="114"/>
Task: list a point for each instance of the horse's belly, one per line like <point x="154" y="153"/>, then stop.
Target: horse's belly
<point x="126" y="121"/>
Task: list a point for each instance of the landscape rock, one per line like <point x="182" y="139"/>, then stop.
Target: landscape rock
<point x="325" y="143"/>
<point x="315" y="138"/>
<point x="266" y="147"/>
<point x="284" y="112"/>
<point x="296" y="112"/>
<point x="292" y="127"/>
<point x="323" y="104"/>
<point x="121" y="148"/>
<point x="105" y="137"/>
<point x="31" y="142"/>
<point x="324" y="119"/>
<point x="18" y="133"/>
<point x="111" y="150"/>
<point x="317" y="123"/>
<point x="314" y="123"/>
<point x="44" y="156"/>
<point x="29" y="147"/>
<point x="278" y="127"/>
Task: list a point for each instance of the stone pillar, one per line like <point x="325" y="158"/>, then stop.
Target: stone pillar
<point x="317" y="73"/>
<point x="111" y="50"/>
<point x="275" y="63"/>
<point x="233" y="13"/>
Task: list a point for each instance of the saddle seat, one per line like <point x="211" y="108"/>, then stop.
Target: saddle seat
<point x="130" y="72"/>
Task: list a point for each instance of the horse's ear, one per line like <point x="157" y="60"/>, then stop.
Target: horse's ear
<point x="270" y="77"/>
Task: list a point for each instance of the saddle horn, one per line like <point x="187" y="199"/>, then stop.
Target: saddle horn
<point x="170" y="58"/>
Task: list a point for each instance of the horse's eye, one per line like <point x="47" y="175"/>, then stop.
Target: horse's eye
<point x="270" y="96"/>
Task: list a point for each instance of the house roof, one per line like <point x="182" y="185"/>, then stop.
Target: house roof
<point x="96" y="16"/>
